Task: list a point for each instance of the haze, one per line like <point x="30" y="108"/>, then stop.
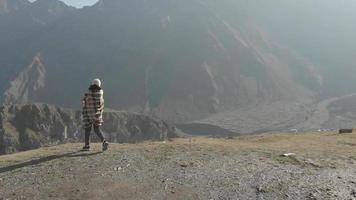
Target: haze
<point x="228" y="63"/>
<point x="229" y="99"/>
<point x="78" y="3"/>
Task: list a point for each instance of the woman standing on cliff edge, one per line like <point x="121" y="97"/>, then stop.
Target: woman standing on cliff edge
<point x="93" y="108"/>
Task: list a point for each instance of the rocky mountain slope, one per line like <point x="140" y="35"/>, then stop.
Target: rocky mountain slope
<point x="342" y="113"/>
<point x="9" y="6"/>
<point x="323" y="167"/>
<point x="32" y="126"/>
<point x="21" y="22"/>
<point x="330" y="114"/>
<point x="322" y="33"/>
<point x="179" y="61"/>
<point x="27" y="83"/>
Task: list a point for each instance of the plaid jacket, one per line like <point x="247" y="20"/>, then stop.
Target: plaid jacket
<point x="93" y="107"/>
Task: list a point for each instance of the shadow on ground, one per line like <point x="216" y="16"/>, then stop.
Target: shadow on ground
<point x="46" y="159"/>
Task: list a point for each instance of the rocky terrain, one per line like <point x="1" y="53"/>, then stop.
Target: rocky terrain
<point x="32" y="126"/>
<point x="342" y="113"/>
<point x="330" y="114"/>
<point x="320" y="166"/>
<point x="260" y="118"/>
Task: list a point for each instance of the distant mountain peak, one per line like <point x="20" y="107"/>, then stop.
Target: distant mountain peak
<point x="3" y="6"/>
<point x="52" y="6"/>
<point x="50" y="3"/>
<point x="7" y="6"/>
<point x="28" y="82"/>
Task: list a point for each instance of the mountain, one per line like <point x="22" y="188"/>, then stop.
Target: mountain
<point x="21" y="22"/>
<point x="9" y="6"/>
<point x="322" y="33"/>
<point x="177" y="60"/>
<point x="27" y="83"/>
<point x="32" y="126"/>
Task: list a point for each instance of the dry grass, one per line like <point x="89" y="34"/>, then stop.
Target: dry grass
<point x="331" y="144"/>
<point x="96" y="177"/>
<point x="312" y="145"/>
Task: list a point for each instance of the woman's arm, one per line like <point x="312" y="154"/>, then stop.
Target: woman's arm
<point x="85" y="99"/>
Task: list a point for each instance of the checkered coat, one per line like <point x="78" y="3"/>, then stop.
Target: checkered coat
<point x="93" y="107"/>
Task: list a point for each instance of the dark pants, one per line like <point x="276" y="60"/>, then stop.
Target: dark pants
<point x="97" y="131"/>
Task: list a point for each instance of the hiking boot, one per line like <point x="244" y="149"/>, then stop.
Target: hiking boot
<point x="105" y="145"/>
<point x="86" y="148"/>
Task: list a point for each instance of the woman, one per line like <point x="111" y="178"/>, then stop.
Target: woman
<point x="93" y="108"/>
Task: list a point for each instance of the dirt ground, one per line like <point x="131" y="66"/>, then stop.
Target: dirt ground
<point x="322" y="166"/>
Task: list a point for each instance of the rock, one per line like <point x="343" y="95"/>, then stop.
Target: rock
<point x="288" y="154"/>
<point x="313" y="163"/>
<point x="25" y="127"/>
<point x="311" y="196"/>
<point x="184" y="165"/>
<point x="341" y="131"/>
<point x="353" y="193"/>
<point x="117" y="168"/>
<point x="260" y="189"/>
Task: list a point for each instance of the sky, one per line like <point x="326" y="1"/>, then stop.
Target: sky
<point x="78" y="3"/>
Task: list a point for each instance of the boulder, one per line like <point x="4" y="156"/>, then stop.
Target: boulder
<point x="341" y="131"/>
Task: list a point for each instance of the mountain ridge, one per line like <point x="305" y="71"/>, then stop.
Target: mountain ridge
<point x="26" y="127"/>
<point x="180" y="61"/>
<point x="160" y="82"/>
<point x="9" y="6"/>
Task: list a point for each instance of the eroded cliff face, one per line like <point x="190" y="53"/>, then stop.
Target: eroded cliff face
<point x="256" y="70"/>
<point x="27" y="85"/>
<point x="32" y="126"/>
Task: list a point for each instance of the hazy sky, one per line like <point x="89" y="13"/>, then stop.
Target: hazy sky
<point x="78" y="3"/>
